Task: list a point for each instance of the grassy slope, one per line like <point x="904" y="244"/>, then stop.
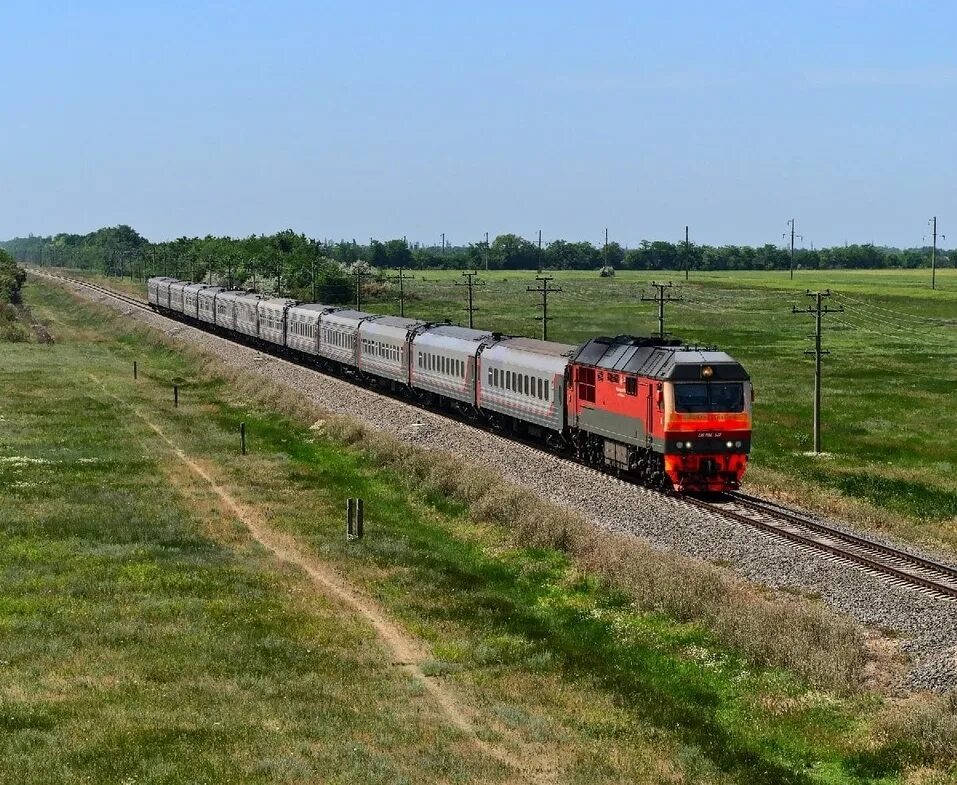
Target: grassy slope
<point x="604" y="691"/>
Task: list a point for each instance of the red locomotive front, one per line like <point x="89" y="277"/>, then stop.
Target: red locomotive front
<point x="674" y="416"/>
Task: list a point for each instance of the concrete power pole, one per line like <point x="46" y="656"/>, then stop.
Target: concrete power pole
<point x="800" y="237"/>
<point x="471" y="283"/>
<point x="544" y="289"/>
<point x="933" y="252"/>
<point x="818" y="311"/>
<point x="359" y="273"/>
<point x="661" y="298"/>
<point x="401" y="278"/>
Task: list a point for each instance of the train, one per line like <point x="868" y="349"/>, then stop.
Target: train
<point x="671" y="416"/>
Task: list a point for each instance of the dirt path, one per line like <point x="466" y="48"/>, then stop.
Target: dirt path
<point x="405" y="651"/>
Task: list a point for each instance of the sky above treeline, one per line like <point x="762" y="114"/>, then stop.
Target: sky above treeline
<point x="391" y="119"/>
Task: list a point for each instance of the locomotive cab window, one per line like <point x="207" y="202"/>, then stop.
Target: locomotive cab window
<point x="709" y="397"/>
<point x="631" y="385"/>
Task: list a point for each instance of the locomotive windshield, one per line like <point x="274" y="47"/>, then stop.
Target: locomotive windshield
<point x="709" y="397"/>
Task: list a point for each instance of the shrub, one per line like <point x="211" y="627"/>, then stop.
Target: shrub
<point x="920" y="731"/>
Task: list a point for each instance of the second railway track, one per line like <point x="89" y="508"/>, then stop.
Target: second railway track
<point x="895" y="564"/>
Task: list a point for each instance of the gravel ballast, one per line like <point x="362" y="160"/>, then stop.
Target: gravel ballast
<point x="927" y="625"/>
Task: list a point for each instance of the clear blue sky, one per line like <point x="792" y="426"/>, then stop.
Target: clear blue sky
<point x="358" y="119"/>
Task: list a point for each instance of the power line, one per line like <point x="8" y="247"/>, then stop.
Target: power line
<point x="661" y="298"/>
<point x="471" y="284"/>
<point x="401" y="278"/>
<point x="818" y="310"/>
<point x="544" y="289"/>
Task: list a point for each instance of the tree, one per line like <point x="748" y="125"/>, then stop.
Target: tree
<point x="511" y="252"/>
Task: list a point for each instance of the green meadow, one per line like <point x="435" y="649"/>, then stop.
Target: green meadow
<point x="147" y="638"/>
<point x="889" y="411"/>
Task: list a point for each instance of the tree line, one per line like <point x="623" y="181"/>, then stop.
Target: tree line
<point x="295" y="264"/>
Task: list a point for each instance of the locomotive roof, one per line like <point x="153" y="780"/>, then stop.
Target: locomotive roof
<point x="658" y="359"/>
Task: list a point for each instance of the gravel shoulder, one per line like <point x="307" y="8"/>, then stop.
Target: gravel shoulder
<point x="926" y="625"/>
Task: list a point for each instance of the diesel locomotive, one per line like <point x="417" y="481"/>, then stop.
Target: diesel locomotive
<point x="675" y="417"/>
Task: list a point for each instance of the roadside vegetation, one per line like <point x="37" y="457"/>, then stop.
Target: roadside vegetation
<point x="613" y="663"/>
<point x="12" y="278"/>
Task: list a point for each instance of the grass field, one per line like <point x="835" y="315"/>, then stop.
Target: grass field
<point x="890" y="383"/>
<point x="147" y="638"/>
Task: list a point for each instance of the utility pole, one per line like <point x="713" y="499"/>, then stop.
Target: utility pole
<point x="661" y="298"/>
<point x="359" y="272"/>
<point x="687" y="255"/>
<point x="443" y="243"/>
<point x="606" y="246"/>
<point x="313" y="277"/>
<point x="401" y="278"/>
<point x="471" y="283"/>
<point x="818" y="310"/>
<point x="279" y="275"/>
<point x="486" y="252"/>
<point x="539" y="251"/>
<point x="791" y="224"/>
<point x="933" y="253"/>
<point x="544" y="289"/>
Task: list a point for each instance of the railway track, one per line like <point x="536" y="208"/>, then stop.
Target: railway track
<point x="898" y="566"/>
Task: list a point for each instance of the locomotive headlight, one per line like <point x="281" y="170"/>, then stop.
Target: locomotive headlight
<point x="729" y="445"/>
<point x="737" y="444"/>
<point x="680" y="445"/>
<point x="687" y="445"/>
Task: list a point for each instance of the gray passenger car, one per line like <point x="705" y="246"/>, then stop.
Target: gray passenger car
<point x="524" y="378"/>
<point x="444" y="361"/>
<point x="191" y="299"/>
<point x="157" y="290"/>
<point x="176" y="295"/>
<point x="206" y="303"/>
<point x="247" y="314"/>
<point x="272" y="319"/>
<point x="302" y="326"/>
<point x="384" y="346"/>
<point x="225" y="305"/>
<point x="339" y="338"/>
